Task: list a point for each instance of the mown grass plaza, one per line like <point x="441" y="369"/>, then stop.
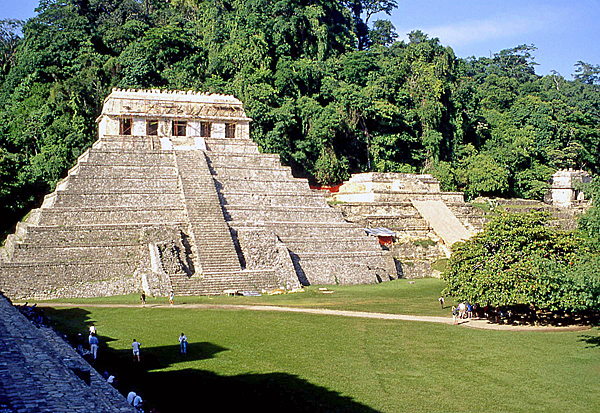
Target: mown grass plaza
<point x="281" y="361"/>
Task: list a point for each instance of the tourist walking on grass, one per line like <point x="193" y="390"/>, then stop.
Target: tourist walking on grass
<point x="171" y="297"/>
<point x="94" y="345"/>
<point x="183" y="343"/>
<point x="441" y="300"/>
<point x="143" y="298"/>
<point x="136" y="350"/>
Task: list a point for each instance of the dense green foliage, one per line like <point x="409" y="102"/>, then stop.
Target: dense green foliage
<point x="589" y="223"/>
<point x="520" y="260"/>
<point x="328" y="89"/>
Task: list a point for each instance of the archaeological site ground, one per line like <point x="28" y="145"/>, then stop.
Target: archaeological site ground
<point x="175" y="197"/>
<point x="317" y="362"/>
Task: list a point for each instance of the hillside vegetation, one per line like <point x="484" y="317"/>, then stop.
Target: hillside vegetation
<point x="329" y="89"/>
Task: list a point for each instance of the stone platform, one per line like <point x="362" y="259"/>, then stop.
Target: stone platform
<point x="427" y="221"/>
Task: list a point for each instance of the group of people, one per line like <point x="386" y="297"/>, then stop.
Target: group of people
<point x="135" y="345"/>
<point x="463" y="311"/>
<point x="134" y="399"/>
<point x="33" y="313"/>
<point x="466" y="310"/>
<point x="93" y="342"/>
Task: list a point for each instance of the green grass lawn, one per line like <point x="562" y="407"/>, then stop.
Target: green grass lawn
<point x="316" y="363"/>
<point x="415" y="297"/>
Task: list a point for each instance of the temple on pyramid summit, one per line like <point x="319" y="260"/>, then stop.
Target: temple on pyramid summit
<point x="174" y="196"/>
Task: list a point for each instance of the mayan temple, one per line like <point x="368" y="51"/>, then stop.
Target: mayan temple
<point x="175" y="196"/>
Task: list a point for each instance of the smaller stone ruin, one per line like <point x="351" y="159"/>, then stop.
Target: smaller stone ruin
<point x="565" y="191"/>
<point x="427" y="221"/>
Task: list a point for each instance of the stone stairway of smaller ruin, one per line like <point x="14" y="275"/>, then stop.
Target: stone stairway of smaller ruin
<point x="442" y="220"/>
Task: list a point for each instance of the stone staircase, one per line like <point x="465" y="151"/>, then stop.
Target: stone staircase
<point x="217" y="283"/>
<point x="257" y="193"/>
<point x="217" y="261"/>
<point x="209" y="232"/>
<point x="442" y="220"/>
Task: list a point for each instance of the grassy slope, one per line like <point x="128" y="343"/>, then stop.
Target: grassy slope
<point x="310" y="363"/>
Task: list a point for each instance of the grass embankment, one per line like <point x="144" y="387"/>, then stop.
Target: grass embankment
<point x="312" y="363"/>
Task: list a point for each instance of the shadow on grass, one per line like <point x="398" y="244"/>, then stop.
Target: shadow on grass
<point x="592" y="341"/>
<point x="195" y="389"/>
<point x="179" y="390"/>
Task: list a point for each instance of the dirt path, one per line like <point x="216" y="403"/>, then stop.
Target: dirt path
<point x="472" y="323"/>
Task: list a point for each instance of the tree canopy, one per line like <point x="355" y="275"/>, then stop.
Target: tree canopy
<point x="329" y="90"/>
<point x="521" y="260"/>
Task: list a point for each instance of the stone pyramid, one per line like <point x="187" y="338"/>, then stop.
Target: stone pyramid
<point x="174" y="196"/>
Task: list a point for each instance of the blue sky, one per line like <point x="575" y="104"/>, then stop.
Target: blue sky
<point x="563" y="31"/>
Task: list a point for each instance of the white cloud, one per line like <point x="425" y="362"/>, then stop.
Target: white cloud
<point x="469" y="32"/>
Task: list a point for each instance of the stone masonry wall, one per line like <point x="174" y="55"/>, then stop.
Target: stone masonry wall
<point x="39" y="372"/>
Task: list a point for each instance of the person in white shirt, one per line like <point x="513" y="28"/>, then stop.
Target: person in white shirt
<point x="183" y="343"/>
<point x="130" y="396"/>
<point x="137" y="402"/>
<point x="136" y="350"/>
